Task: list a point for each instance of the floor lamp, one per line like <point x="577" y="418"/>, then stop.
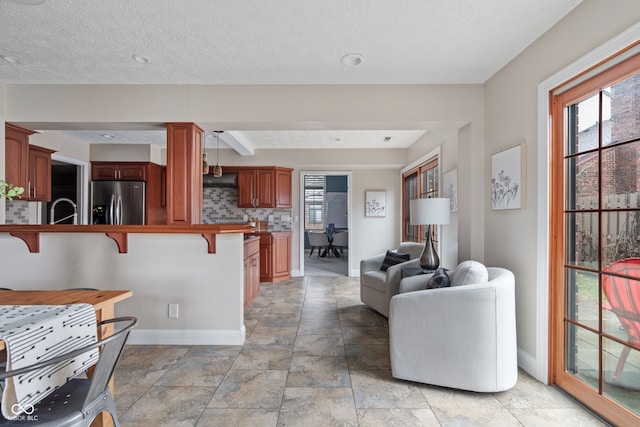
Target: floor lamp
<point x="432" y="211"/>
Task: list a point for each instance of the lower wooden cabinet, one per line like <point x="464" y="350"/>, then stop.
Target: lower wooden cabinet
<point x="275" y="256"/>
<point x="251" y="270"/>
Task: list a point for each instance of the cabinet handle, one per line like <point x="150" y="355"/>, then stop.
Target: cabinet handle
<point x="29" y="190"/>
<point x="115" y="174"/>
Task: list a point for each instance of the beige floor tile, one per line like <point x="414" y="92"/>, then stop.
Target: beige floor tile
<point x="360" y="335"/>
<point x="377" y="389"/>
<point x="197" y="371"/>
<point x="319" y="345"/>
<point x="456" y="407"/>
<point x="168" y="406"/>
<point x="270" y="335"/>
<point x="238" y="417"/>
<point x="260" y="356"/>
<point x="319" y="327"/>
<point x="368" y="356"/>
<point x="250" y="389"/>
<point x="531" y="393"/>
<point x="556" y="417"/>
<point x="397" y="418"/>
<point x="317" y="406"/>
<point x="318" y="371"/>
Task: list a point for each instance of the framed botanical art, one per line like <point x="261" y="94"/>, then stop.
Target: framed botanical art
<point x="450" y="188"/>
<point x="507" y="178"/>
<point x="375" y="203"/>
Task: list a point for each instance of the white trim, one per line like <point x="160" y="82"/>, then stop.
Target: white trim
<point x="431" y="154"/>
<point x="540" y="365"/>
<point x="187" y="337"/>
<point x="349" y="212"/>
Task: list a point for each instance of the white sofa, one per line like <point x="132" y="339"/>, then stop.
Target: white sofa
<point x="376" y="286"/>
<point x="463" y="336"/>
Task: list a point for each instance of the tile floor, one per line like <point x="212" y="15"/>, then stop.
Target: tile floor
<point x="314" y="356"/>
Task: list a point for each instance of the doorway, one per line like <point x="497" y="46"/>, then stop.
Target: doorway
<point x="69" y="180"/>
<point x="325" y="202"/>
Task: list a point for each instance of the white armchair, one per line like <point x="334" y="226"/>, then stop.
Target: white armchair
<point x="376" y="286"/>
<point x="461" y="337"/>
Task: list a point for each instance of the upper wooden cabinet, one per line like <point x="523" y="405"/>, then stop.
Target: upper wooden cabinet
<point x="264" y="187"/>
<point x="26" y="165"/>
<point x="17" y="155"/>
<point x="119" y="171"/>
<point x="39" y="186"/>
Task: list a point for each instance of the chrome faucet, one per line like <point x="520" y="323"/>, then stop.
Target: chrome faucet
<point x="74" y="215"/>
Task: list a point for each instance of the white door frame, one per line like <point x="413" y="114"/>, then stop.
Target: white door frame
<point x="349" y="210"/>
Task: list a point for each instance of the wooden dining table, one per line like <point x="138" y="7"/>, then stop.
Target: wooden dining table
<point x="102" y="301"/>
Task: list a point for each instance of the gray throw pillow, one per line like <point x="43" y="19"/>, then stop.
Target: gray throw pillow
<point x="440" y="279"/>
<point x="469" y="272"/>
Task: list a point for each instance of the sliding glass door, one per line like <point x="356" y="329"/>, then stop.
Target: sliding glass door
<point x="595" y="251"/>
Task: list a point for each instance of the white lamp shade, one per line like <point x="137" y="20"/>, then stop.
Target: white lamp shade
<point x="435" y="210"/>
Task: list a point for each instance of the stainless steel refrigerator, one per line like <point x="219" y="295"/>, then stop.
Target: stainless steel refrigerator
<point x="117" y="202"/>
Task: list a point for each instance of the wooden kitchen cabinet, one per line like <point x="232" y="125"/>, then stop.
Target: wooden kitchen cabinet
<point x="251" y="270"/>
<point x="264" y="187"/>
<point x="119" y="171"/>
<point x="39" y="186"/>
<point x="275" y="256"/>
<point x="16" y="144"/>
<point x="26" y="165"/>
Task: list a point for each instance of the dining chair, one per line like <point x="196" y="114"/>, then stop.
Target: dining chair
<point x="319" y="240"/>
<point x="80" y="400"/>
<point x="341" y="241"/>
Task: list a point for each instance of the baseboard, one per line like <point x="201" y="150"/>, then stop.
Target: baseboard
<point x="296" y="273"/>
<point x="187" y="337"/>
<point x="529" y="364"/>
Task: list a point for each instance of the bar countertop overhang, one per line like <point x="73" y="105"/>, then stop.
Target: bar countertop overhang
<point x="30" y="234"/>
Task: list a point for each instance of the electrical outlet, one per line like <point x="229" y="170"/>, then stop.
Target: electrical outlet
<point x="245" y="218"/>
<point x="270" y="218"/>
<point x="173" y="311"/>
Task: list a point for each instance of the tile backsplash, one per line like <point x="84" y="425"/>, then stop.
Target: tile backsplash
<point x="16" y="212"/>
<point x="220" y="206"/>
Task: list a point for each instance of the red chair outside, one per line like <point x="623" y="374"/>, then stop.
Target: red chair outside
<point x="623" y="299"/>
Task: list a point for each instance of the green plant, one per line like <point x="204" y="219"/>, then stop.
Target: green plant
<point x="9" y="191"/>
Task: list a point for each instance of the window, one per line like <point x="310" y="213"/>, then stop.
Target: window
<point x="420" y="182"/>
<point x="314" y="193"/>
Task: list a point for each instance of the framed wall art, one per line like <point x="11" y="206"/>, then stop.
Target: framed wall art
<point x="508" y="178"/>
<point x="450" y="188"/>
<point x="375" y="203"/>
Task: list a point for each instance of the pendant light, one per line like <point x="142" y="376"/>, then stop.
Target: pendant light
<point x="205" y="165"/>
<point x="217" y="170"/>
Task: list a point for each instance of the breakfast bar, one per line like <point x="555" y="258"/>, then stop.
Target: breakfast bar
<point x="197" y="270"/>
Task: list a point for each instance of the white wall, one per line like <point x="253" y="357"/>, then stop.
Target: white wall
<point x="511" y="107"/>
<point x="158" y="268"/>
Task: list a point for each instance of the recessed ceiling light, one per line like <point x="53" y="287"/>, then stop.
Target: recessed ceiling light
<point x="106" y="135"/>
<point x="10" y="59"/>
<point x="141" y="59"/>
<point x="29" y="2"/>
<point x="352" y="60"/>
<point x="387" y="138"/>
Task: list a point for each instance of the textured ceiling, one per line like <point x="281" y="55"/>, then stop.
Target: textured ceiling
<point x="267" y="42"/>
